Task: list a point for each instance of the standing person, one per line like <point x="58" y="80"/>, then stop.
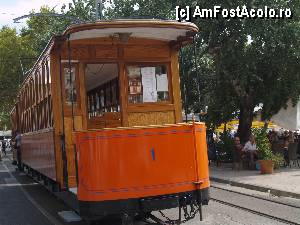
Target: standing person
<point x="0" y="150"/>
<point x="14" y="150"/>
<point x="237" y="154"/>
<point x="286" y="142"/>
<point x="18" y="147"/>
<point x="4" y="147"/>
<point x="250" y="150"/>
<point x="291" y="137"/>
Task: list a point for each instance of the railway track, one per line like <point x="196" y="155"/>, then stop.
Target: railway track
<point x="253" y="211"/>
<point x="257" y="197"/>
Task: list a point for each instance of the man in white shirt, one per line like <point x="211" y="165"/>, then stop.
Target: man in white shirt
<point x="250" y="150"/>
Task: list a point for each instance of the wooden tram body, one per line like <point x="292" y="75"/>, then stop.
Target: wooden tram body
<point x="100" y="117"/>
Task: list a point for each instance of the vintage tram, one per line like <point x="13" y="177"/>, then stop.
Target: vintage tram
<point x="100" y="117"/>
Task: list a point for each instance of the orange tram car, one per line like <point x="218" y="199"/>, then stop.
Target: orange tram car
<point x="100" y="118"/>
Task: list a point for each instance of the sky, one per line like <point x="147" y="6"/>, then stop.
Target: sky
<point x="10" y="9"/>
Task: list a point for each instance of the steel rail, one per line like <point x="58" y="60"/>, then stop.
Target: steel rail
<point x="257" y="197"/>
<point x="255" y="212"/>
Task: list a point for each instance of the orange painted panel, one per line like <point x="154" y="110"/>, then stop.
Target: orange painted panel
<point x="37" y="151"/>
<point x="202" y="159"/>
<point x="132" y="163"/>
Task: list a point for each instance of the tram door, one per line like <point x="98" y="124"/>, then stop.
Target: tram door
<point x="73" y="114"/>
<point x="102" y="95"/>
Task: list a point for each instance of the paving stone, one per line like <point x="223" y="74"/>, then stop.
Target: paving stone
<point x="69" y="216"/>
<point x="283" y="182"/>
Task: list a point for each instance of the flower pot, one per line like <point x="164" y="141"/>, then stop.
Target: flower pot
<point x="257" y="166"/>
<point x="266" y="166"/>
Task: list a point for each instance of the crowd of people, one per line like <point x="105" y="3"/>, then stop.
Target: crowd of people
<point x="12" y="145"/>
<point x="246" y="155"/>
<point x="4" y="145"/>
<point x="283" y="139"/>
<point x="247" y="152"/>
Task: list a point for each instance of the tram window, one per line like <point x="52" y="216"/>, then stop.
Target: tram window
<point x="70" y="83"/>
<point x="102" y="85"/>
<point x="147" y="84"/>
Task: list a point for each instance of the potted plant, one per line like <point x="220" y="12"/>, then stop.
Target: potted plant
<point x="278" y="160"/>
<point x="265" y="154"/>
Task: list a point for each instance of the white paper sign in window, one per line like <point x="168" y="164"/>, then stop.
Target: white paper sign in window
<point x="149" y="84"/>
<point x="162" y="82"/>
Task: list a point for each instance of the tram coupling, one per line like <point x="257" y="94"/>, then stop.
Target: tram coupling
<point x="188" y="207"/>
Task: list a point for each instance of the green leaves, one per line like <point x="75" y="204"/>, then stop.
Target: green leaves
<point x="141" y="9"/>
<point x="263" y="144"/>
<point x="10" y="72"/>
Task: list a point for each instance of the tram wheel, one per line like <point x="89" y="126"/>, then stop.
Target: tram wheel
<point x="127" y="219"/>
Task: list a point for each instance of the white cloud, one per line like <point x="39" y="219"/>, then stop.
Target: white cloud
<point x="23" y="7"/>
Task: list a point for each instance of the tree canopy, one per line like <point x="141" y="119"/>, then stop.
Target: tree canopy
<point x="256" y="61"/>
<point x="14" y="56"/>
<point x="241" y="62"/>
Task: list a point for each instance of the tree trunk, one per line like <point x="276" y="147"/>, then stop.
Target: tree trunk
<point x="225" y="128"/>
<point x="266" y="124"/>
<point x="245" y="118"/>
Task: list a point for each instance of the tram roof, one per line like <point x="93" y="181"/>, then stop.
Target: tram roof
<point x="165" y="30"/>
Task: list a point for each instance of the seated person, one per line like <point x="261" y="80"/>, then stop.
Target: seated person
<point x="237" y="154"/>
<point x="250" y="150"/>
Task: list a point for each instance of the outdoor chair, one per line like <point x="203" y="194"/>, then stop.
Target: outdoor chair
<point x="277" y="147"/>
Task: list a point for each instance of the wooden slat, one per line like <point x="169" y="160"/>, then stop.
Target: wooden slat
<point x="57" y="113"/>
<point x="108" y="120"/>
<point x="83" y="96"/>
<point x="176" y="85"/>
<point x="38" y="152"/>
<point x="145" y="52"/>
<point x="153" y="118"/>
<point x="77" y="52"/>
<point x="155" y="107"/>
<point x="106" y="52"/>
<point x="123" y="91"/>
<point x="70" y="147"/>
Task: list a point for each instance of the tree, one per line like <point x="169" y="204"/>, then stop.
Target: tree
<point x="254" y="60"/>
<point x="11" y="53"/>
<point x="41" y="28"/>
<point x="164" y="9"/>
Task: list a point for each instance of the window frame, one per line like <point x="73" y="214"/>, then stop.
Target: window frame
<point x="103" y="88"/>
<point x="77" y="104"/>
<point x="149" y="64"/>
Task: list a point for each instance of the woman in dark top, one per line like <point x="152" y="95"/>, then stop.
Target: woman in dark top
<point x="237" y="154"/>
